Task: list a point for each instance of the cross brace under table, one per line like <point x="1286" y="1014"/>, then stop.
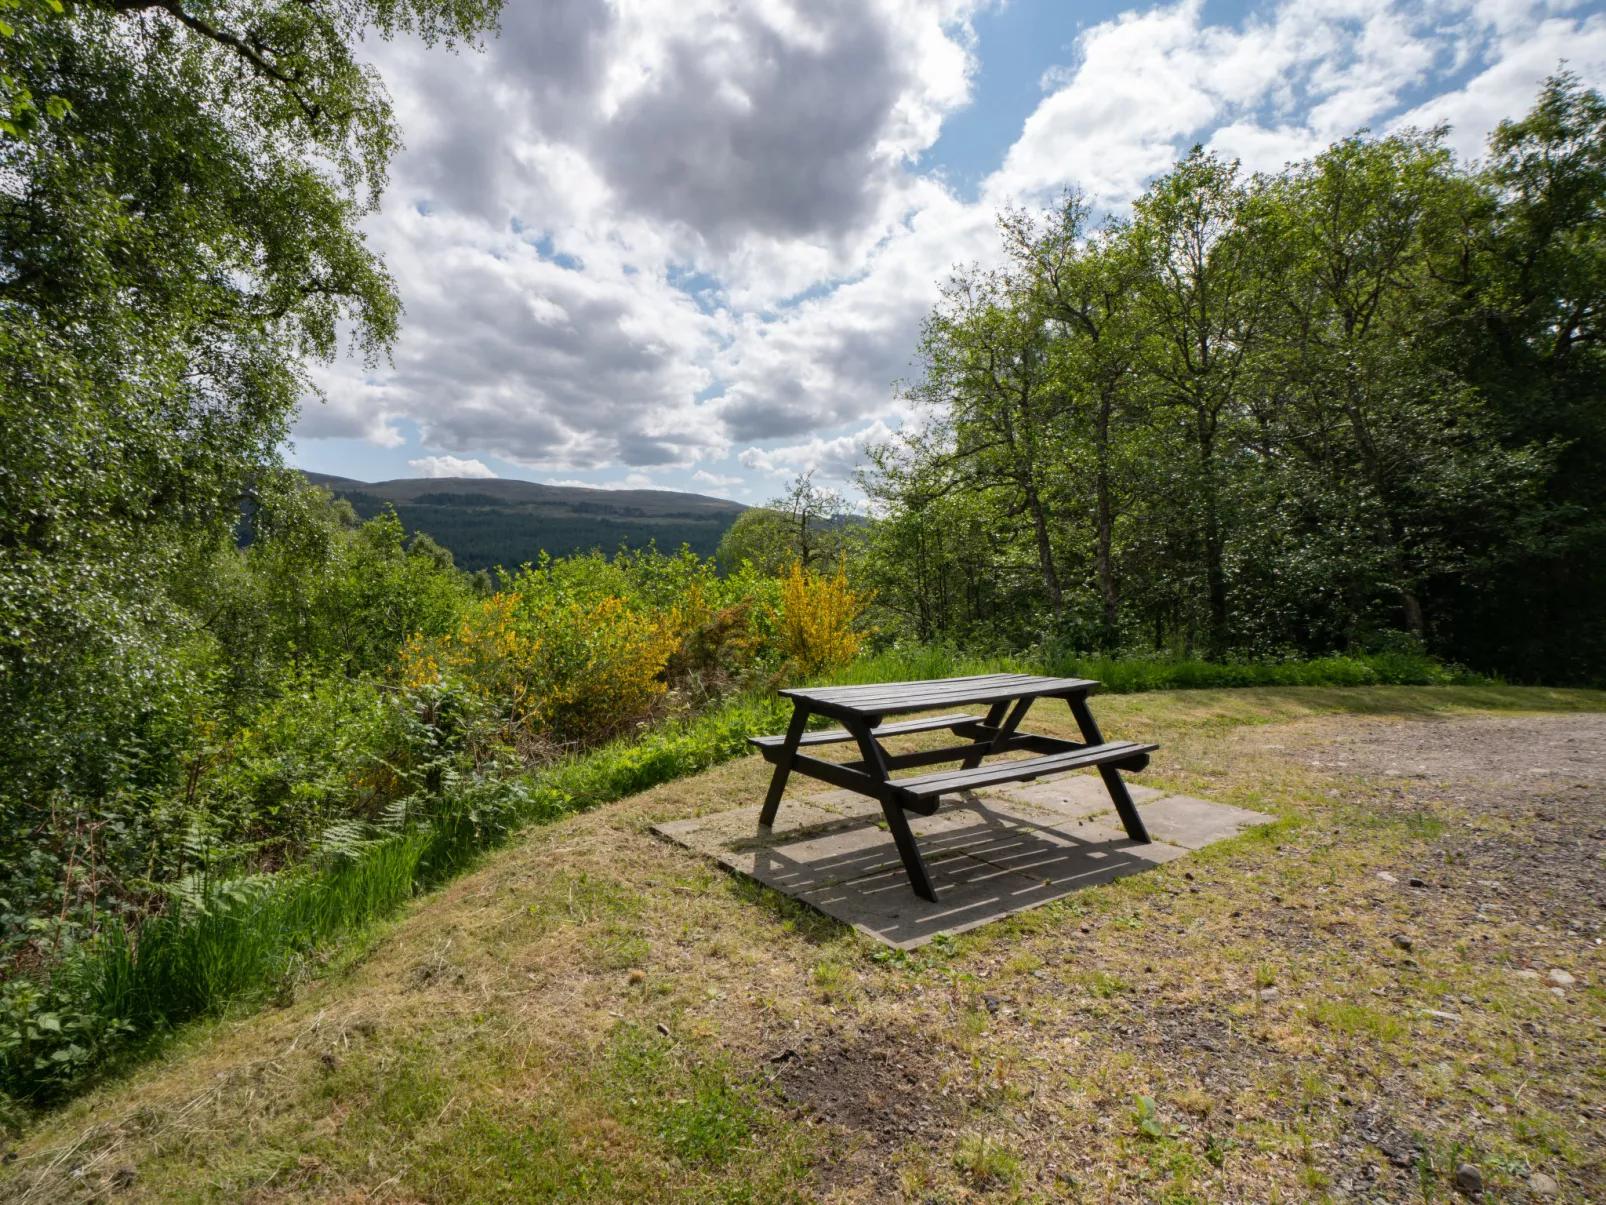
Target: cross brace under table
<point x="861" y="710"/>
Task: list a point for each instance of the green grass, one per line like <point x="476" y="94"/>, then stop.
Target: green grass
<point x="1124" y="675"/>
<point x="240" y="943"/>
<point x="243" y="942"/>
<point x="986" y="1161"/>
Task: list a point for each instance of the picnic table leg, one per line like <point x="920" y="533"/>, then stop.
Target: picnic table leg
<point x="876" y="766"/>
<point x="1113" y="782"/>
<point x="995" y="717"/>
<point x="783" y="763"/>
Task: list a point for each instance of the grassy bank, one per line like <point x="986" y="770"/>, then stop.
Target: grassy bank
<point x="235" y="944"/>
<point x="594" y="1014"/>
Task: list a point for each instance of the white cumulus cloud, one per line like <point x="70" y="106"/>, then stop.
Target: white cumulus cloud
<point x="449" y="466"/>
<point x="635" y="236"/>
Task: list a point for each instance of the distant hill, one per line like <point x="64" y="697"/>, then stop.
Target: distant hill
<point x="491" y="522"/>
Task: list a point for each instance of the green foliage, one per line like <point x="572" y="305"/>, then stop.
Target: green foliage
<point x="225" y="939"/>
<point x="1347" y="409"/>
<point x="487" y="533"/>
<point x="180" y="228"/>
<point x="806" y="525"/>
<point x="1146" y="1116"/>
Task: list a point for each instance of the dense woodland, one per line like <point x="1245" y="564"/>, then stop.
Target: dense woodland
<point x="1355" y="404"/>
<point x="1351" y="407"/>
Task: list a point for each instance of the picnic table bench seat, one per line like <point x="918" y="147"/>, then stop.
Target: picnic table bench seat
<point x="1126" y="755"/>
<point x="861" y="710"/>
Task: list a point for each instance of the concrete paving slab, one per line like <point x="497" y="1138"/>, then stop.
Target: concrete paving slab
<point x="990" y="854"/>
<point x="1196" y="823"/>
<point x="1070" y="794"/>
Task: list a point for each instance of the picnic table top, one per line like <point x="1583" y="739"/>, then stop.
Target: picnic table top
<point x="888" y="698"/>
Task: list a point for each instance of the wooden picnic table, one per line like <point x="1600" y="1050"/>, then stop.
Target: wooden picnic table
<point x="1008" y="697"/>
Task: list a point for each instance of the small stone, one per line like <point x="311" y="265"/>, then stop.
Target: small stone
<point x="1559" y="993"/>
<point x="1469" y="1179"/>
<point x="1560" y="977"/>
<point x="663" y="1029"/>
<point x="1529" y="975"/>
<point x="1387" y="877"/>
<point x="1543" y="1185"/>
<point x="1403" y="942"/>
<point x="1419" y="882"/>
<point x="1268" y="995"/>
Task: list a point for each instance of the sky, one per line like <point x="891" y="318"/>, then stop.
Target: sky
<point x="688" y="244"/>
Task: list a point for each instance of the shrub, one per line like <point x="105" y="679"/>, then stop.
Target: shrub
<point x="816" y="620"/>
<point x="571" y="669"/>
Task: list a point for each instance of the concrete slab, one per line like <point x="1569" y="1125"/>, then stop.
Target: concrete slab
<point x="990" y="854"/>
<point x="1196" y="823"/>
<point x="1071" y="794"/>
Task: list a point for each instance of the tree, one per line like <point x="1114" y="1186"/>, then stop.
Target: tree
<point x="1203" y="310"/>
<point x="178" y="233"/>
<point x="1355" y="403"/>
<point x="990" y="382"/>
<point x="807" y="524"/>
<point x="1085" y="285"/>
<point x="1532" y="339"/>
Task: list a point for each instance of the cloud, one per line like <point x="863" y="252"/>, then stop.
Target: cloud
<point x="717" y="480"/>
<point x="634" y="481"/>
<point x="1276" y="88"/>
<point x="836" y="459"/>
<point x="449" y="466"/>
<point x="634" y="236"/>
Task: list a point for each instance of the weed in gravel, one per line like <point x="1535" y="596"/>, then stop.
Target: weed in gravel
<point x="1357" y="1020"/>
<point x="987" y="1161"/>
<point x="1104" y="985"/>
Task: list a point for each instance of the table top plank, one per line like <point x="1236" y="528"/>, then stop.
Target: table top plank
<point x="893" y="697"/>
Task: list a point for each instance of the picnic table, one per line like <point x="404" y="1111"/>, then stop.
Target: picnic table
<point x="861" y="711"/>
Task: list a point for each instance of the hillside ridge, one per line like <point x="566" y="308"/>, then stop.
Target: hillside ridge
<point x="497" y="522"/>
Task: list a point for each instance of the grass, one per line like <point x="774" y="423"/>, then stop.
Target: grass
<point x="242" y="942"/>
<point x="486" y="1047"/>
<point x="122" y="997"/>
<point x="1127" y="675"/>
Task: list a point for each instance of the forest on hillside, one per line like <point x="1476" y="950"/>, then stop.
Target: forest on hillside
<point x="1352" y="408"/>
<point x="506" y="524"/>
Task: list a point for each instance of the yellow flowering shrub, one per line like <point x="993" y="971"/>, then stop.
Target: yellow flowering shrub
<point x="815" y="622"/>
<point x="565" y="668"/>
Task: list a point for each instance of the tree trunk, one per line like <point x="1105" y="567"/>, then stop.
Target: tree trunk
<point x="1215" y="559"/>
<point x="1412" y="607"/>
<point x="1045" y="551"/>
<point x="1102" y="558"/>
<point x="1216" y="580"/>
